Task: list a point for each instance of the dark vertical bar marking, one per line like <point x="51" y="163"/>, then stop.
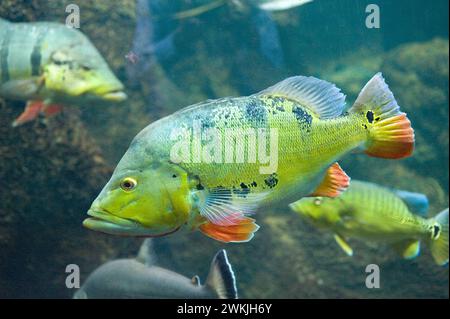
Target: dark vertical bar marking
<point x="36" y="56"/>
<point x="4" y="53"/>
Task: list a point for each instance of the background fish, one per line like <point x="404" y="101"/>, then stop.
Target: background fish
<point x="150" y="195"/>
<point x="49" y="64"/>
<point x="158" y="22"/>
<point x="374" y="213"/>
<point x="140" y="278"/>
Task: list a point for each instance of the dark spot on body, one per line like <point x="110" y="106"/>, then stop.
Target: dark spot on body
<point x="365" y="126"/>
<point x="255" y="112"/>
<point x="369" y="116"/>
<point x="436" y="231"/>
<point x="243" y="185"/>
<point x="281" y="109"/>
<point x="254" y="184"/>
<point x="243" y="192"/>
<point x="303" y="118"/>
<point x="272" y="180"/>
<point x="377" y="119"/>
<point x="200" y="187"/>
<point x="174" y="176"/>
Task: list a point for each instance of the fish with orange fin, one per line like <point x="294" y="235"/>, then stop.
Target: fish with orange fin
<point x="212" y="165"/>
<point x="50" y="65"/>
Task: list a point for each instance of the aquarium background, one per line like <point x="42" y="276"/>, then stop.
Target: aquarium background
<point x="50" y="171"/>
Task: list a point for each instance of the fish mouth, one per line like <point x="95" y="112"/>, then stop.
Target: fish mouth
<point x="107" y="223"/>
<point x="114" y="96"/>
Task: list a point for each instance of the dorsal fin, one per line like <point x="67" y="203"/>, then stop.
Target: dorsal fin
<point x="321" y="97"/>
<point x="196" y="281"/>
<point x="416" y="202"/>
<point x="146" y="255"/>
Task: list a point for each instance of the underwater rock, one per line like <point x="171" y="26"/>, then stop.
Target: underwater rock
<point x="49" y="172"/>
<point x="418" y="73"/>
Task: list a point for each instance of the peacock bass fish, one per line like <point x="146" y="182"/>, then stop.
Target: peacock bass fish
<point x="200" y="167"/>
<point x="374" y="213"/>
<point x="49" y="65"/>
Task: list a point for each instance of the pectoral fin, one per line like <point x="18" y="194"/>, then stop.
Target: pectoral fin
<point x="408" y="249"/>
<point x="343" y="244"/>
<point x="334" y="183"/>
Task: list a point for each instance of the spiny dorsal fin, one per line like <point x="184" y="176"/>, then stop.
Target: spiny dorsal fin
<point x="416" y="202"/>
<point x="196" y="280"/>
<point x="146" y="254"/>
<point x="221" y="277"/>
<point x="321" y="97"/>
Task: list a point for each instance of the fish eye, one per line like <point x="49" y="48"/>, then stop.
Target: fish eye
<point x="317" y="201"/>
<point x="128" y="184"/>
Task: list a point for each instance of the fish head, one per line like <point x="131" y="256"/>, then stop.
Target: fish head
<point x="149" y="202"/>
<point x="78" y="71"/>
<point x="319" y="211"/>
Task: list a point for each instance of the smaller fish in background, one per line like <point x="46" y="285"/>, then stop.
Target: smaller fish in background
<point x="158" y="22"/>
<point x="139" y="278"/>
<point x="279" y="5"/>
<point x="49" y="65"/>
<point x="377" y="214"/>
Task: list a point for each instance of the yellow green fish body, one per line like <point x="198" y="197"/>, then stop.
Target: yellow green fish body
<point x="377" y="214"/>
<point x="212" y="164"/>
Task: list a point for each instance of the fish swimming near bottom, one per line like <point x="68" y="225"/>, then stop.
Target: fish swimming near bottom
<point x="374" y="213"/>
<point x="139" y="278"/>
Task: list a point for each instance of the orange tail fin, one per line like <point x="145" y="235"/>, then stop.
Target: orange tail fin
<point x="390" y="134"/>
<point x="243" y="231"/>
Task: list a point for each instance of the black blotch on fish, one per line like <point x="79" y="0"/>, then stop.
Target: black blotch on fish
<point x="254" y="184"/>
<point x="243" y="191"/>
<point x="303" y="118"/>
<point x="272" y="180"/>
<point x="174" y="176"/>
<point x="370" y="116"/>
<point x="255" y="112"/>
<point x="436" y="231"/>
<point x="199" y="187"/>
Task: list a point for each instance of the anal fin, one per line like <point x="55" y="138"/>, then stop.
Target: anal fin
<point x="408" y="249"/>
<point x="334" y="183"/>
<point x="242" y="231"/>
<point x="343" y="244"/>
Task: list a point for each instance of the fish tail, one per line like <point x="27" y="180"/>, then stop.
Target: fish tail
<point x="221" y="277"/>
<point x="390" y="134"/>
<point x="438" y="241"/>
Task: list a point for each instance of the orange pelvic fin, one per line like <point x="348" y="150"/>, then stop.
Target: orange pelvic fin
<point x="334" y="183"/>
<point x="32" y="110"/>
<point x="51" y="109"/>
<point x="243" y="231"/>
